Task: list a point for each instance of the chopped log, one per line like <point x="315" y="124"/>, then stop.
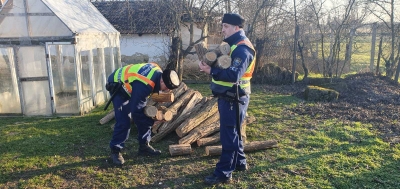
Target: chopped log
<point x="224" y="61"/>
<point x="168" y="115"/>
<point x="201" y="50"/>
<point x="180" y="149"/>
<point x="151" y="102"/>
<point x="215" y="138"/>
<point x="174" y="107"/>
<point x="154" y="128"/>
<point x="202" y="130"/>
<point x="109" y="116"/>
<point x="150" y="111"/>
<point x="162" y="108"/>
<point x="209" y="108"/>
<point x="162" y="97"/>
<point x="177" y="93"/>
<point x="211" y="56"/>
<point x="199" y="132"/>
<point x="172" y="125"/>
<point x="180" y="90"/>
<point x="209" y="140"/>
<point x="224" y="48"/>
<point x="248" y="120"/>
<point x="192" y="102"/>
<point x="159" y="116"/>
<point x="251" y="146"/>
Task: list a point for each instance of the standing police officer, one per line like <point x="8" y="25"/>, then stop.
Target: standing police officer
<point x="130" y="87"/>
<point x="223" y="86"/>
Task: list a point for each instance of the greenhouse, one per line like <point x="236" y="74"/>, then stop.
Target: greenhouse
<point x="55" y="56"/>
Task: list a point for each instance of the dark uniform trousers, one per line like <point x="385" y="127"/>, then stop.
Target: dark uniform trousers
<point x="232" y="148"/>
<point x="122" y="109"/>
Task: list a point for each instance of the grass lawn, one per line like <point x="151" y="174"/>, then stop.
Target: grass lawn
<point x="72" y="152"/>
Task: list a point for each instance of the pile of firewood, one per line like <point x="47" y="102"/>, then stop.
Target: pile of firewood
<point x="194" y="118"/>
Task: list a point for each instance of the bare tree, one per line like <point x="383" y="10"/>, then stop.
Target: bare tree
<point x="384" y="10"/>
<point x="188" y="15"/>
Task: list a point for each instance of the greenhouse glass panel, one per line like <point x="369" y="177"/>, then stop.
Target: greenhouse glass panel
<point x="85" y="78"/>
<point x="117" y="61"/>
<point x="32" y="62"/>
<point x="36" y="98"/>
<point x="64" y="79"/>
<point x="37" y="7"/>
<point x="98" y="70"/>
<point x="13" y="26"/>
<point x="109" y="61"/>
<point x="14" y="6"/>
<point x="33" y="75"/>
<point x="47" y="26"/>
<point x="9" y="95"/>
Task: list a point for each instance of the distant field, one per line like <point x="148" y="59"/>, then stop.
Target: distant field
<point x="361" y="56"/>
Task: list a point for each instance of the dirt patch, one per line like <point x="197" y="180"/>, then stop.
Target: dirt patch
<point x="366" y="98"/>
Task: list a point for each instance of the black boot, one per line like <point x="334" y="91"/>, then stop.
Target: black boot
<point x="116" y="157"/>
<point x="146" y="149"/>
<point x="214" y="179"/>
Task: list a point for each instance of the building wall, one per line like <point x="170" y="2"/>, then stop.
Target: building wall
<point x="145" y="48"/>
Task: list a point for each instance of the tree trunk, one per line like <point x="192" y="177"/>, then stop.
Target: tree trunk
<point x="302" y="59"/>
<point x="251" y="146"/>
<point x="379" y="56"/>
<point x="180" y="149"/>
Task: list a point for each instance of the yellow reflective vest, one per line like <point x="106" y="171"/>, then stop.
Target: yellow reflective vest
<point x="129" y="73"/>
<point x="245" y="79"/>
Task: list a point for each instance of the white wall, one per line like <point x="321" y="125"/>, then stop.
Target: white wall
<point x="148" y="47"/>
<point x="186" y="36"/>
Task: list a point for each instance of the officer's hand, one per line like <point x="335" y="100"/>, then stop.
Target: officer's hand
<point x="204" y="67"/>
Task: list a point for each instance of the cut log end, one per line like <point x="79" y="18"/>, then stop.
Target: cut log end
<point x="224" y="61"/>
<point x="180" y="149"/>
<point x="168" y="115"/>
<point x="150" y="111"/>
<point x="224" y="48"/>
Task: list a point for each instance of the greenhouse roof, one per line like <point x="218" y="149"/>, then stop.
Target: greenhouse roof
<point x="46" y="18"/>
<point x="80" y="16"/>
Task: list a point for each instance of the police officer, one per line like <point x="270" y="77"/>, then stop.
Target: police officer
<point x="223" y="86"/>
<point x="132" y="85"/>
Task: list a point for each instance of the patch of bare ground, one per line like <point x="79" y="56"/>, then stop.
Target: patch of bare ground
<point x="363" y="98"/>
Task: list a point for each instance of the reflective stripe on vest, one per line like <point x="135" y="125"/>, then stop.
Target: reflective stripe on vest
<point x="128" y="74"/>
<point x="245" y="79"/>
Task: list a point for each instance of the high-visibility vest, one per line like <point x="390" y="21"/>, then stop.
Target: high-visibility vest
<point x="244" y="82"/>
<point x="129" y="73"/>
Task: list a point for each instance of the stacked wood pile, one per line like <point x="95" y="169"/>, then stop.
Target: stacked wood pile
<point x="194" y="118"/>
<point x="272" y="74"/>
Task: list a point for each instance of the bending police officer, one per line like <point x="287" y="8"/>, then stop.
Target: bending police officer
<point x="131" y="86"/>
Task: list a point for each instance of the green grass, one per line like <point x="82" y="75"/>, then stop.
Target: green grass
<point x="72" y="152"/>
